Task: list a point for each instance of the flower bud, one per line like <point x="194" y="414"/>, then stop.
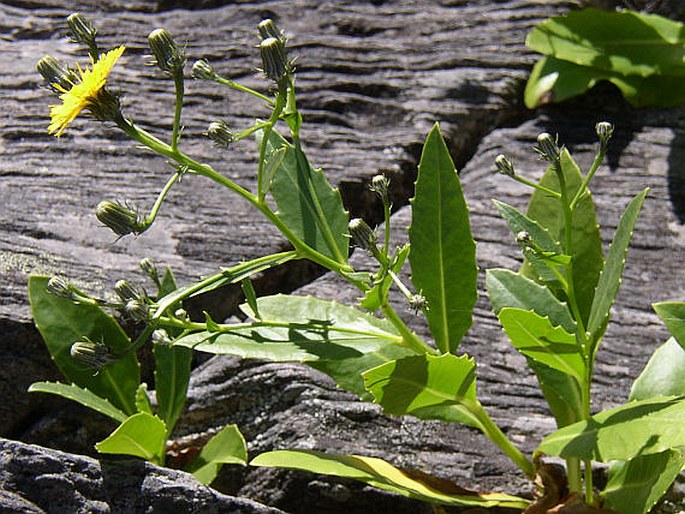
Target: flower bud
<point x="418" y="303"/>
<point x="548" y="147"/>
<point x="220" y="134"/>
<point x="168" y="56"/>
<point x="94" y="355"/>
<point x="81" y="30"/>
<point x="60" y="288"/>
<point x="274" y="59"/>
<point x="149" y="267"/>
<point x="604" y="131"/>
<point x="160" y="336"/>
<point x="267" y="28"/>
<point x="203" y="70"/>
<point x="137" y="310"/>
<point x="362" y="235"/>
<point x="125" y="291"/>
<point x="523" y="238"/>
<point x="120" y="219"/>
<point x="504" y="166"/>
<point x="379" y="185"/>
<point x="181" y="314"/>
<point x="58" y="77"/>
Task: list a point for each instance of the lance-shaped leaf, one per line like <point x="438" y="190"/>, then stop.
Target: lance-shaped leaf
<point x="141" y="435"/>
<point x="443" y="253"/>
<point x="586" y="241"/>
<point x="383" y="475"/>
<point x="664" y="374"/>
<point x="636" y="485"/>
<point x="306" y="202"/>
<point x="405" y="385"/>
<point x="535" y="337"/>
<point x="673" y="316"/>
<point x="172" y="374"/>
<point x="626" y="42"/>
<point x="610" y="279"/>
<point x="61" y="322"/>
<point x="80" y="395"/>
<point x="226" y="447"/>
<point x="641" y="427"/>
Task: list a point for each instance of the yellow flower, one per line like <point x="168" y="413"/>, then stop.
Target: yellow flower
<point x="84" y="93"/>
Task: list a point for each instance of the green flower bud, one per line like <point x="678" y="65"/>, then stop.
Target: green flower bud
<point x="203" y="70"/>
<point x="60" y="288"/>
<point x="93" y="355"/>
<point x="137" y="310"/>
<point x="274" y="59"/>
<point x="504" y="166"/>
<point x="58" y="77"/>
<point x="126" y="292"/>
<point x="267" y="28"/>
<point x="220" y="134"/>
<point x="379" y="185"/>
<point x="604" y="131"/>
<point x="81" y="30"/>
<point x="120" y="219"/>
<point x="418" y="303"/>
<point x="160" y="336"/>
<point x="362" y="235"/>
<point x="181" y="314"/>
<point x="523" y="238"/>
<point x="168" y="56"/>
<point x="149" y="267"/>
<point x="548" y="147"/>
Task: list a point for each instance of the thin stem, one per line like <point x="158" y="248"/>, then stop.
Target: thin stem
<point x="386" y="216"/>
<point x="599" y="157"/>
<point x="589" y="492"/>
<point x="537" y="186"/>
<point x="266" y="132"/>
<point x="405" y="291"/>
<point x="162" y="195"/>
<point x="410" y="339"/>
<point x="176" y="131"/>
<point x="574" y="475"/>
<point x="244" y="89"/>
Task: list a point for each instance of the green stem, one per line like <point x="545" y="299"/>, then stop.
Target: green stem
<point x="575" y="483"/>
<point x="537" y="186"/>
<point x="410" y="339"/>
<point x="244" y="89"/>
<point x="589" y="492"/>
<point x="176" y="131"/>
<point x="266" y="132"/>
<point x="599" y="157"/>
<point x="150" y="218"/>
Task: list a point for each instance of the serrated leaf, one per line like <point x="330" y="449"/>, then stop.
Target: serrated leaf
<point x="226" y="447"/>
<point x="80" y="395"/>
<point x="536" y="337"/>
<point x="405" y="385"/>
<point x="610" y="278"/>
<point x="443" y="252"/>
<point x="640" y="427"/>
<point x="664" y="374"/>
<point x="61" y="323"/>
<point x="673" y="316"/>
<point x="374" y="296"/>
<point x="141" y="435"/>
<point x="518" y="222"/>
<point x="143" y="400"/>
<point x="626" y="42"/>
<point x="635" y="486"/>
<point x="307" y="203"/>
<point x="172" y="374"/>
<point x="586" y="240"/>
<point x="381" y="474"/>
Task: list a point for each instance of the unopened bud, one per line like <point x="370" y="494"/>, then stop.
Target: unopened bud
<point x="181" y="314"/>
<point x="126" y="292"/>
<point x="160" y="336"/>
<point x="94" y="355"/>
<point x="267" y="28"/>
<point x="58" y="77"/>
<point x="548" y="148"/>
<point x="523" y="238"/>
<point x="274" y="59"/>
<point x="362" y="235"/>
<point x="81" y="30"/>
<point x="120" y="219"/>
<point x="168" y="56"/>
<point x="203" y="70"/>
<point x="504" y="165"/>
<point x="220" y="134"/>
<point x="137" y="310"/>
<point x="60" y="288"/>
<point x="379" y="185"/>
<point x="149" y="267"/>
<point x="418" y="303"/>
<point x="604" y="131"/>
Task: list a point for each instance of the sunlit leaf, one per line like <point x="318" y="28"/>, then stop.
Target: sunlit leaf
<point x="226" y="447"/>
<point x="664" y="374"/>
<point x="673" y="316"/>
<point x="141" y="435"/>
<point x="80" y="395"/>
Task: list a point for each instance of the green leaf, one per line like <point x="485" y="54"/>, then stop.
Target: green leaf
<point x="226" y="447"/>
<point x="307" y="203"/>
<point x="627" y="42"/>
<point x="419" y="381"/>
<point x="250" y="296"/>
<point x="172" y="374"/>
<point x="443" y="252"/>
<point x="141" y="435"/>
<point x="562" y="393"/>
<point x="142" y="400"/>
<point x="664" y="374"/>
<point x="535" y="337"/>
<point x="80" y="395"/>
<point x="381" y="474"/>
<point x="61" y="322"/>
<point x="168" y="283"/>
<point x="518" y="222"/>
<point x="374" y="296"/>
<point x="586" y="240"/>
<point x="635" y="486"/>
<point x="641" y="427"/>
<point x="610" y="279"/>
<point x="673" y="316"/>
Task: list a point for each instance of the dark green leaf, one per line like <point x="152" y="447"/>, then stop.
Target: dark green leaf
<point x="250" y="296"/>
<point x="168" y="283"/>
<point x="443" y="253"/>
<point x="172" y="374"/>
<point x="141" y="435"/>
<point x="664" y="374"/>
<point x="62" y="322"/>
<point x="562" y="392"/>
<point x="641" y="427"/>
<point x="80" y="395"/>
<point x="673" y="316"/>
<point x="226" y="447"/>
<point x="381" y="474"/>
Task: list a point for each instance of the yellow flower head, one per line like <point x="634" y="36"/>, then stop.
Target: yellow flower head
<point x="84" y="93"/>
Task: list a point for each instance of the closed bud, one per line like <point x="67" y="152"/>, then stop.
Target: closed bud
<point x="267" y="28"/>
<point x="60" y="288"/>
<point x="137" y="310"/>
<point x="203" y="70"/>
<point x="120" y="219"/>
<point x="81" y="30"/>
<point x="58" y="77"/>
<point x="379" y="185"/>
<point x="93" y="355"/>
<point x="220" y="134"/>
<point x="149" y="267"/>
<point x="418" y="303"/>
<point x="548" y="148"/>
<point x="604" y="131"/>
<point x="274" y="59"/>
<point x="523" y="238"/>
<point x="181" y="314"/>
<point x="504" y="166"/>
<point x="362" y="235"/>
<point x="125" y="291"/>
<point x="168" y="56"/>
<point x="160" y="336"/>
